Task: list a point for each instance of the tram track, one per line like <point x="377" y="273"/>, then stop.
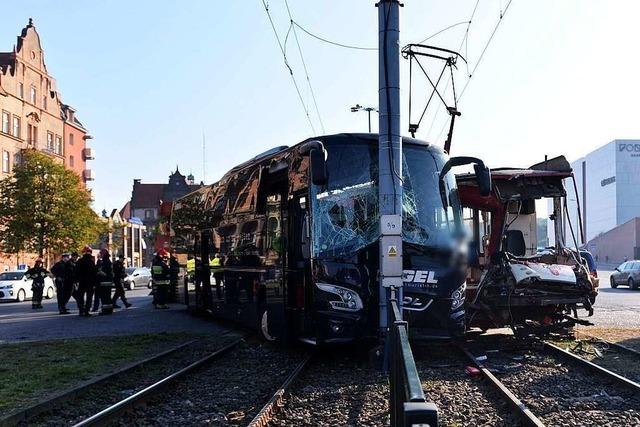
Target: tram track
<point x="334" y="388"/>
<point x="77" y="403"/>
<point x="228" y="391"/>
<point x="546" y="385"/>
<point x="462" y="399"/>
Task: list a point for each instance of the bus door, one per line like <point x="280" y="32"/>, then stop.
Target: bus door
<point x="297" y="265"/>
<point x="271" y="292"/>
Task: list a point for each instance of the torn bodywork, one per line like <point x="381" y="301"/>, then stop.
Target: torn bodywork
<point x="511" y="283"/>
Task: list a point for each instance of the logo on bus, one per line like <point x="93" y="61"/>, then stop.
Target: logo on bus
<point x="415" y="303"/>
<point x="422" y="278"/>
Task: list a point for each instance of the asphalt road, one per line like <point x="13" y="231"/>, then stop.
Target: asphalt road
<point x="18" y="322"/>
<point x="616" y="307"/>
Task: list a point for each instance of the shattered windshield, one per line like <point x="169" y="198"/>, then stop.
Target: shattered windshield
<point x="345" y="211"/>
<point x="425" y="220"/>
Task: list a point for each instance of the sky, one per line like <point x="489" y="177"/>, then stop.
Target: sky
<point x="149" y="78"/>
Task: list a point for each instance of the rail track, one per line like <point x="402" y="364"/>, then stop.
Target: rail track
<point x="331" y="389"/>
<point x="547" y="385"/>
<point x="69" y="406"/>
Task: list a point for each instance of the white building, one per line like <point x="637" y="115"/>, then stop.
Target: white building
<point x="608" y="187"/>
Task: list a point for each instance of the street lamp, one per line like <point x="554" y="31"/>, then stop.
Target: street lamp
<point x="359" y="107"/>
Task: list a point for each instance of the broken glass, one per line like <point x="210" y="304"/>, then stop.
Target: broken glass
<point x="345" y="211"/>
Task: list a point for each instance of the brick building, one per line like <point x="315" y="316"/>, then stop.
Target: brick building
<point x="152" y="204"/>
<point x="33" y="116"/>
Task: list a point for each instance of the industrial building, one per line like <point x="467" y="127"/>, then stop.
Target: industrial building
<point x="607" y="182"/>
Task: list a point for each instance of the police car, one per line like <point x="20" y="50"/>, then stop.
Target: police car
<point x="14" y="286"/>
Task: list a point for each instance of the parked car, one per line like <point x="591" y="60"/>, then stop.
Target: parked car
<point x="15" y="287"/>
<point x="627" y="273"/>
<point x="137" y="276"/>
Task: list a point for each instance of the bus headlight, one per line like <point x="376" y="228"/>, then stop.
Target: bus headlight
<point x="457" y="297"/>
<point x="349" y="300"/>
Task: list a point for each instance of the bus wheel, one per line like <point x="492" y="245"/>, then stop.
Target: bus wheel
<point x="264" y="326"/>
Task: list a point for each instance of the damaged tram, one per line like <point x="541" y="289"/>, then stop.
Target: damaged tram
<point x="297" y="230"/>
<point x="511" y="283"/>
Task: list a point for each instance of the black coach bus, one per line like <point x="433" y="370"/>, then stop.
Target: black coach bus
<point x="297" y="231"/>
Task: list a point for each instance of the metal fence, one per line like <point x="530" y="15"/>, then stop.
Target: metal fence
<point x="408" y="405"/>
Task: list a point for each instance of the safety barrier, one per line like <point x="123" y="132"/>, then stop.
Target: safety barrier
<point x="408" y="405"/>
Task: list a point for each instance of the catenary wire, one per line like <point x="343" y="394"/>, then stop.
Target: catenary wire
<point x="286" y="63"/>
<point x="304" y="66"/>
<point x="484" y="50"/>
<point x="347" y="46"/>
<point x="465" y="38"/>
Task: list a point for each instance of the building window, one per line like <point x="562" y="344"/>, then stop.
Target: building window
<point x="71" y="162"/>
<point x="71" y="139"/>
<point x="148" y="214"/>
<point x="34" y="95"/>
<point x="6" y="162"/>
<point x="58" y="146"/>
<point x="21" y="90"/>
<point x="44" y="102"/>
<point x="32" y="134"/>
<point x="49" y="141"/>
<point x="6" y="118"/>
<point x="16" y="126"/>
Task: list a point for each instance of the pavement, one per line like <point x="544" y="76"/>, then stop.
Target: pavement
<point x="18" y="322"/>
<point x="616" y="307"/>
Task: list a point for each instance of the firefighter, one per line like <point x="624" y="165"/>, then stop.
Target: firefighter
<point x="86" y="275"/>
<point x="191" y="267"/>
<point x="37" y="273"/>
<point x="60" y="271"/>
<point x="104" y="274"/>
<point x="72" y="279"/>
<point x="174" y="267"/>
<point x="216" y="265"/>
<point x="119" y="274"/>
<point x="161" y="275"/>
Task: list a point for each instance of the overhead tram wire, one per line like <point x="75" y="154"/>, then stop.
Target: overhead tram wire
<point x="286" y="63"/>
<point x="304" y="66"/>
<point x="347" y="46"/>
<point x="475" y="67"/>
<point x="465" y="38"/>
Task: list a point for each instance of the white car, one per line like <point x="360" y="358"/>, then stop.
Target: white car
<point x="15" y="287"/>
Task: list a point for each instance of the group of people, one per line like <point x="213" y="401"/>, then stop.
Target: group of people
<point x="87" y="280"/>
<point x="90" y="281"/>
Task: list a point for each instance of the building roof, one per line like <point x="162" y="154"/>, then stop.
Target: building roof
<point x="146" y="195"/>
<point x="125" y="212"/>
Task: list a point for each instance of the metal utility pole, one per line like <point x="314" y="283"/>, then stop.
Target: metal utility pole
<point x="389" y="154"/>
<point x="359" y="107"/>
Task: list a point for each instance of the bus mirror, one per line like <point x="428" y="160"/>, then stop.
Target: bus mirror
<point x="317" y="160"/>
<point x="483" y="174"/>
<point x="318" y="167"/>
<point x="483" y="178"/>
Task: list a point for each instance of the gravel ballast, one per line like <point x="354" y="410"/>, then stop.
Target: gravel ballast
<point x="229" y="391"/>
<point x="339" y="389"/>
<point x="462" y="400"/>
<point x="561" y="393"/>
